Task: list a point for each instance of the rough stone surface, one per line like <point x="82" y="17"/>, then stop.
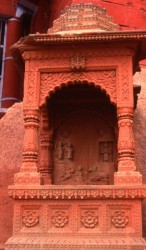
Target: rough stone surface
<point x="11" y="138"/>
<point x="139" y="132"/>
<point x="140" y="124"/>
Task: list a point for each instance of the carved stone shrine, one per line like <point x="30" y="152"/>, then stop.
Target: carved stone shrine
<point x="78" y="187"/>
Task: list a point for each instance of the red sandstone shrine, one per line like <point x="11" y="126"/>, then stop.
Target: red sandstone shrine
<point x="78" y="186"/>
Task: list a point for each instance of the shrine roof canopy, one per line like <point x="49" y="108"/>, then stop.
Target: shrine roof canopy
<point x="83" y="18"/>
<point x="83" y="23"/>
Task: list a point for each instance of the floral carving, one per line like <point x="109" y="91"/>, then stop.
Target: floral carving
<point x="103" y="78"/>
<point x="77" y="62"/>
<point x="89" y="219"/>
<point x="30" y="218"/>
<point x="30" y="97"/>
<point x="60" y="218"/>
<point x="119" y="219"/>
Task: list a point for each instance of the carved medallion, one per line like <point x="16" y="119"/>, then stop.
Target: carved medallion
<point x="30" y="218"/>
<point x="119" y="219"/>
<point x="89" y="219"/>
<point x="59" y="218"/>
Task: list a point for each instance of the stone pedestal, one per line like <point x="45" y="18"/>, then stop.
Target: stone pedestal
<point x="81" y="217"/>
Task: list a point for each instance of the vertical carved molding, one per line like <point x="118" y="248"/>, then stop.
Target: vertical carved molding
<point x="126" y="149"/>
<point x="46" y="145"/>
<point x="30" y="148"/>
<point x="28" y="171"/>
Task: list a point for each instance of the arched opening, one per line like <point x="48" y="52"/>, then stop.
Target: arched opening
<point x="84" y="135"/>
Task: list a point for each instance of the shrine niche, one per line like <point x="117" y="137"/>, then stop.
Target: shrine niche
<point x="84" y="140"/>
<point x="78" y="187"/>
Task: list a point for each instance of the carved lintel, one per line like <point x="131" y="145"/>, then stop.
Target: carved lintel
<point x="106" y="79"/>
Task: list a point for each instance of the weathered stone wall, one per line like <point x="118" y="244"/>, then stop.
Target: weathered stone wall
<point x="140" y="123"/>
<point x="140" y="133"/>
<point x="11" y="139"/>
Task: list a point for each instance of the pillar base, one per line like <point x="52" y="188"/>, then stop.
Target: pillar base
<point x="27" y="178"/>
<point x="127" y="178"/>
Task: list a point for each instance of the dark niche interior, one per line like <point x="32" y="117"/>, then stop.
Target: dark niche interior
<point x="85" y="135"/>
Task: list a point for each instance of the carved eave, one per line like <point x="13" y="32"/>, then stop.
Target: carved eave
<point x="134" y="40"/>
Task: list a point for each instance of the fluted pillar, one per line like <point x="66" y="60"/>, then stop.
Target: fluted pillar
<point x="29" y="170"/>
<point x="127" y="173"/>
<point x="46" y="146"/>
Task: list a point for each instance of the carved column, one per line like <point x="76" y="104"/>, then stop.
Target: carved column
<point x="127" y="173"/>
<point x="46" y="145"/>
<point x="28" y="171"/>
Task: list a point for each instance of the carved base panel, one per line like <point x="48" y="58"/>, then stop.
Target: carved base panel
<point x="58" y="223"/>
<point x="72" y="243"/>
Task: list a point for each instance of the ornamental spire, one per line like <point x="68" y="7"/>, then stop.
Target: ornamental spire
<point x="83" y="18"/>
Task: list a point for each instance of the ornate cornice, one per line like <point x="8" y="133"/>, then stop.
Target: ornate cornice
<point x="98" y="36"/>
<point x="49" y="192"/>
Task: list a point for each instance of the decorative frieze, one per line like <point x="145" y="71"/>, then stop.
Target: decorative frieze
<point x="48" y="192"/>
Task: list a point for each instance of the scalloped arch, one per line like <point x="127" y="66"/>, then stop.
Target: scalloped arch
<point x="104" y="79"/>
